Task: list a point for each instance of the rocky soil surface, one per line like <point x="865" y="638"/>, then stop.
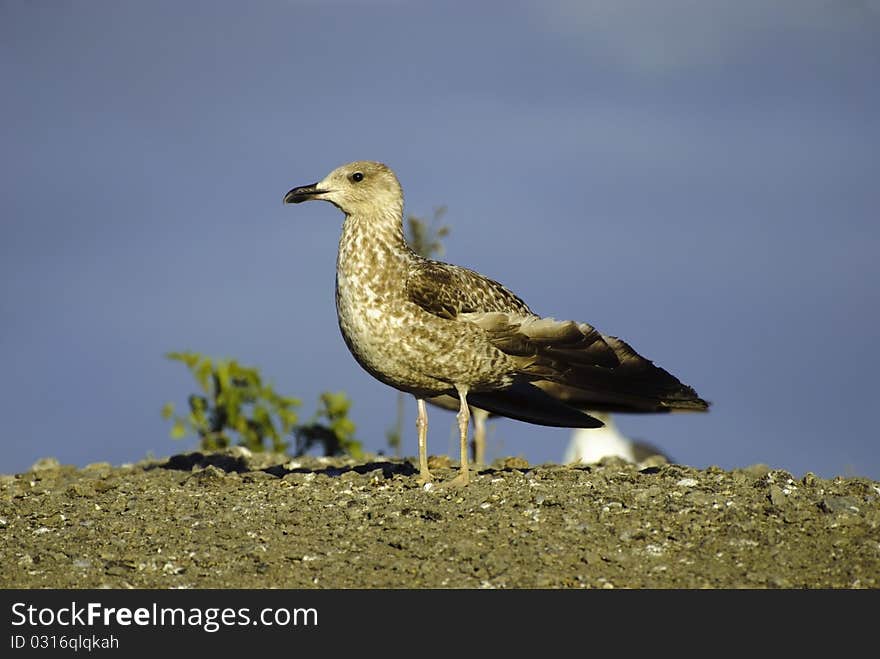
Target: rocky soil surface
<point x="235" y="520"/>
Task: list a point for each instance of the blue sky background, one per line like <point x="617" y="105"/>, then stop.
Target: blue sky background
<point x="700" y="179"/>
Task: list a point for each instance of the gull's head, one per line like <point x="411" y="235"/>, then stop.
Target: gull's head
<point x="360" y="186"/>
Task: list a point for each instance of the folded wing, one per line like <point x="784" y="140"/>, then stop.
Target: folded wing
<point x="572" y="363"/>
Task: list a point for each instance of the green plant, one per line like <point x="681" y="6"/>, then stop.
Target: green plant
<point x="234" y="401"/>
<point x="336" y="435"/>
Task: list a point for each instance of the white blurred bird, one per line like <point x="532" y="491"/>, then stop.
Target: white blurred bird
<point x="590" y="445"/>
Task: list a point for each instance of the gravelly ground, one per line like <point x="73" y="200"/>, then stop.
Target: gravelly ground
<point x="233" y="520"/>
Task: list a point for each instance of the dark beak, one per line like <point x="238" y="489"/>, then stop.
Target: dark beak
<point x="302" y="193"/>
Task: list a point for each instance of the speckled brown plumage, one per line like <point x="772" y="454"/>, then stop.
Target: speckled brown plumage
<point x="431" y="328"/>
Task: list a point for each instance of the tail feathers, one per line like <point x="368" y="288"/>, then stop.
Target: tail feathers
<point x="576" y="364"/>
<point x="635" y="378"/>
<point x="635" y="385"/>
<point x="597" y="400"/>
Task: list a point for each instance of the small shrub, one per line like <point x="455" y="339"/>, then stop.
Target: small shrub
<point x="335" y="433"/>
<point x="234" y="402"/>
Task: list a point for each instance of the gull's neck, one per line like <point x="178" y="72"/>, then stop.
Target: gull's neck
<point x="373" y="253"/>
<point x="384" y="224"/>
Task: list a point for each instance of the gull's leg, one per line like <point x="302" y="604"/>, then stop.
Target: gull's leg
<point x="479" y="443"/>
<point x="464" y="416"/>
<point x="422" y="427"/>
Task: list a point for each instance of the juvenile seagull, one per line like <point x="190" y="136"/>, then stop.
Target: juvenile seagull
<point x="431" y="328"/>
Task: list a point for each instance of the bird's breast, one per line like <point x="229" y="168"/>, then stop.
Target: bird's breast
<point x="395" y="339"/>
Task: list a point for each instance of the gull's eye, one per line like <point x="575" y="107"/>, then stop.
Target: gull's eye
<point x="357" y="177"/>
